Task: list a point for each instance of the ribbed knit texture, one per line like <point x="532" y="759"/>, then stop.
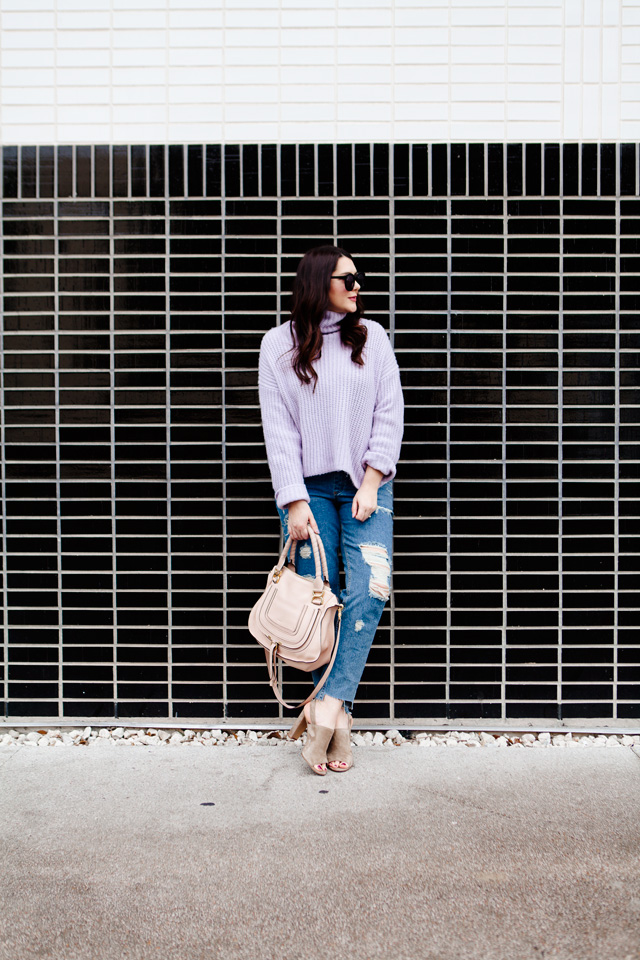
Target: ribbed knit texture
<point x="354" y="418"/>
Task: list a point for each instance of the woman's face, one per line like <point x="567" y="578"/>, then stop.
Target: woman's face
<point x="340" y="299"/>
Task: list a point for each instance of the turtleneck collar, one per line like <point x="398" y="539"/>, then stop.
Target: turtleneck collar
<point x="330" y="322"/>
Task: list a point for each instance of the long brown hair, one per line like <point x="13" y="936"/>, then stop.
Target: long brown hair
<point x="310" y="300"/>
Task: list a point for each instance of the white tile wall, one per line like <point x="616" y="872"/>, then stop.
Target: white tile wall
<point x="306" y="70"/>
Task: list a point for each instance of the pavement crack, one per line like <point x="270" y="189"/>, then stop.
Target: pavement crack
<point x="10" y="756"/>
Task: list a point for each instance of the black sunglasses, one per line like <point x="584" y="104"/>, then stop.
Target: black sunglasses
<point x="350" y="279"/>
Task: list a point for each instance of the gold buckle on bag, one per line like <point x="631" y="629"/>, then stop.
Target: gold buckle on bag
<point x="318" y="597"/>
<point x="276" y="575"/>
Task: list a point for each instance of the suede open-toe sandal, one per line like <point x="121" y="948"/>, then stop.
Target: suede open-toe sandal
<point x="314" y="751"/>
<point x="298" y="728"/>
<point x="339" y="754"/>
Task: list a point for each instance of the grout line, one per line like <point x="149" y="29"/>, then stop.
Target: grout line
<point x="616" y="519"/>
<point x="3" y="476"/>
<point x="112" y="431"/>
<point x="560" y="541"/>
<point x="450" y="597"/>
<point x="223" y="428"/>
<point x="56" y="268"/>
<point x="392" y="332"/>
<point x="169" y="566"/>
<point x="505" y="361"/>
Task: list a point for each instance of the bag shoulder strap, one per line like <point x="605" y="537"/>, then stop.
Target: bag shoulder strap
<point x="273" y="678"/>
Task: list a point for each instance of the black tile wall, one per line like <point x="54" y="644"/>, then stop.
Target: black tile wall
<point x="138" y="518"/>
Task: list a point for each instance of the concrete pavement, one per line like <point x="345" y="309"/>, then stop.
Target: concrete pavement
<point x="182" y="853"/>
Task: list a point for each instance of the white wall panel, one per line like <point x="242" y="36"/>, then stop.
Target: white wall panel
<point x="308" y="70"/>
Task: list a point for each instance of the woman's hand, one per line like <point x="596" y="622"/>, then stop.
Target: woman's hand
<point x="300" y="518"/>
<point x="365" y="501"/>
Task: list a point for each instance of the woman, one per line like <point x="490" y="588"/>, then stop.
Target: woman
<point x="332" y="414"/>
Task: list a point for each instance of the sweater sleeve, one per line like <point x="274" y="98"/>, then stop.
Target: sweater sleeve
<point x="281" y="436"/>
<point x="383" y="451"/>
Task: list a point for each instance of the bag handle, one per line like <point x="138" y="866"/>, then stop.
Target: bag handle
<point x="273" y="678"/>
<point x="323" y="556"/>
<point x="319" y="556"/>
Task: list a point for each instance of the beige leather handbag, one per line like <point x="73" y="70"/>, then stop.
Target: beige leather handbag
<point x="295" y="618"/>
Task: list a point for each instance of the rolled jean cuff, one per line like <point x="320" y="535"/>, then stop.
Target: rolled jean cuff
<point x="348" y="704"/>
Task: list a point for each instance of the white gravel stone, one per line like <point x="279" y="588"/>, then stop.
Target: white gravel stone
<point x="153" y="736"/>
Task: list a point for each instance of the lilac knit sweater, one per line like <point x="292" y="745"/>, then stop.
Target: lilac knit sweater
<point x="353" y="419"/>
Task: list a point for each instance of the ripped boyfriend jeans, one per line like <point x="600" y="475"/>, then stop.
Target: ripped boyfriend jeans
<point x="366" y="548"/>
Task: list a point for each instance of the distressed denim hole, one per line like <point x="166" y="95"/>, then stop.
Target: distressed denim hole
<point x="305" y="552"/>
<point x="376" y="557"/>
<point x="359" y="625"/>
